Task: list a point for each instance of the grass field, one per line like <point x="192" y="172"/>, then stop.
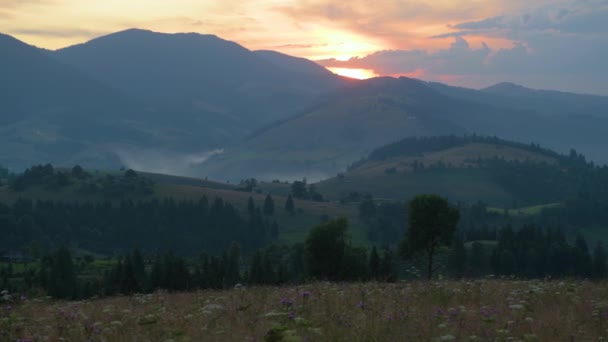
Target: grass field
<point x="476" y="310"/>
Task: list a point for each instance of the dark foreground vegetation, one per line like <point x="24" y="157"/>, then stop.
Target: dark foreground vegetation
<point x="477" y="310"/>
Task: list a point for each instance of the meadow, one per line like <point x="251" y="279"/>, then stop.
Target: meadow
<point x="467" y="310"/>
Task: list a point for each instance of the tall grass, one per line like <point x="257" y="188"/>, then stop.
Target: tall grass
<point x="480" y="310"/>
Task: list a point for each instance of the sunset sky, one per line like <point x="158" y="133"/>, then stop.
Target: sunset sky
<point x="555" y="44"/>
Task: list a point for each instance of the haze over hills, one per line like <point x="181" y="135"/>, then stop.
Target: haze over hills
<point x="168" y="102"/>
<point x="153" y="101"/>
<point x="355" y="120"/>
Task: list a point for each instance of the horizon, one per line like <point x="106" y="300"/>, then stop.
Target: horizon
<point x="354" y="73"/>
<point x="556" y="45"/>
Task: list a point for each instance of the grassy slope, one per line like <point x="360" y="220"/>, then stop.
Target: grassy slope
<point x="460" y="182"/>
<point x="332" y="135"/>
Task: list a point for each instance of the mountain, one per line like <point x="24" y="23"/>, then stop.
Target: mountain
<point x="198" y="75"/>
<point x="353" y="121"/>
<point x="152" y="101"/>
<point x="562" y="120"/>
<point x="295" y="64"/>
<point x="465" y="169"/>
<point x="52" y="112"/>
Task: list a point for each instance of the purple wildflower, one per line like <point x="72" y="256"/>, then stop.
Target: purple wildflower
<point x="361" y="305"/>
<point x="305" y="294"/>
<point x="292" y="314"/>
<point x="286" y="301"/>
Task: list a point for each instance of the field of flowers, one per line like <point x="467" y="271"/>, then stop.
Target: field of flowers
<point x="479" y="310"/>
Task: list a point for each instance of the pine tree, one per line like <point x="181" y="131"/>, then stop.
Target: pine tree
<point x="274" y="230"/>
<point x="62" y="282"/>
<point x="268" y="206"/>
<point x="251" y="206"/>
<point x="139" y="270"/>
<point x="599" y="262"/>
<point x="374" y="264"/>
<point x="387" y="265"/>
<point x="290" y="205"/>
<point x="458" y="257"/>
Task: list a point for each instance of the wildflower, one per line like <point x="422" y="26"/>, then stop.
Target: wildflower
<point x="286" y="302"/>
<point x="292" y="314"/>
<point x="361" y="305"/>
<point x="305" y="294"/>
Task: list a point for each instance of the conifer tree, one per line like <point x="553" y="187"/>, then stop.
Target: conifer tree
<point x="290" y="205"/>
<point x="268" y="206"/>
<point x="374" y="264"/>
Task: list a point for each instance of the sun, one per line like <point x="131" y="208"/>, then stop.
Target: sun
<point x="360" y="74"/>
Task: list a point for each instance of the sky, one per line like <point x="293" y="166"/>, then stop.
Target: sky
<point x="549" y="44"/>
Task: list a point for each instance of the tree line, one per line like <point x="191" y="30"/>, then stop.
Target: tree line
<point x="108" y="227"/>
<point x="325" y="255"/>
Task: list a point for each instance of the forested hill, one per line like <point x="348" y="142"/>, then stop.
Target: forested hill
<point x="469" y="169"/>
<point x="418" y="146"/>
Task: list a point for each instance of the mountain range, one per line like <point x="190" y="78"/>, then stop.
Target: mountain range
<point x="199" y="105"/>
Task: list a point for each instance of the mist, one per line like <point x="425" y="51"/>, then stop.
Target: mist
<point x="166" y="162"/>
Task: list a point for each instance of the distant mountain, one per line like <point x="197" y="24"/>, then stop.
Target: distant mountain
<point x="295" y="64"/>
<point x="145" y="99"/>
<point x="353" y="121"/>
<point x="191" y="74"/>
<point x="52" y="112"/>
<point x="557" y="119"/>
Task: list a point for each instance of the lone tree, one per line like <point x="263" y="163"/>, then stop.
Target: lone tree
<point x="432" y="224"/>
<point x="325" y="249"/>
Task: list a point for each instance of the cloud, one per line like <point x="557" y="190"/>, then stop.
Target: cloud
<point x="57" y="33"/>
<point x="563" y="44"/>
<point x="488" y="23"/>
<point x="11" y="4"/>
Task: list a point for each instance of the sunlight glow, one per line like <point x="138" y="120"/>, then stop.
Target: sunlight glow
<point x="359" y="74"/>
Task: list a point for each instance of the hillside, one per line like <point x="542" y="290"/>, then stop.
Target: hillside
<point x="159" y="102"/>
<point x="98" y="187"/>
<point x="52" y="112"/>
<point x="467" y="169"/>
<point x="562" y="117"/>
<point x="350" y="123"/>
<point x="199" y="75"/>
